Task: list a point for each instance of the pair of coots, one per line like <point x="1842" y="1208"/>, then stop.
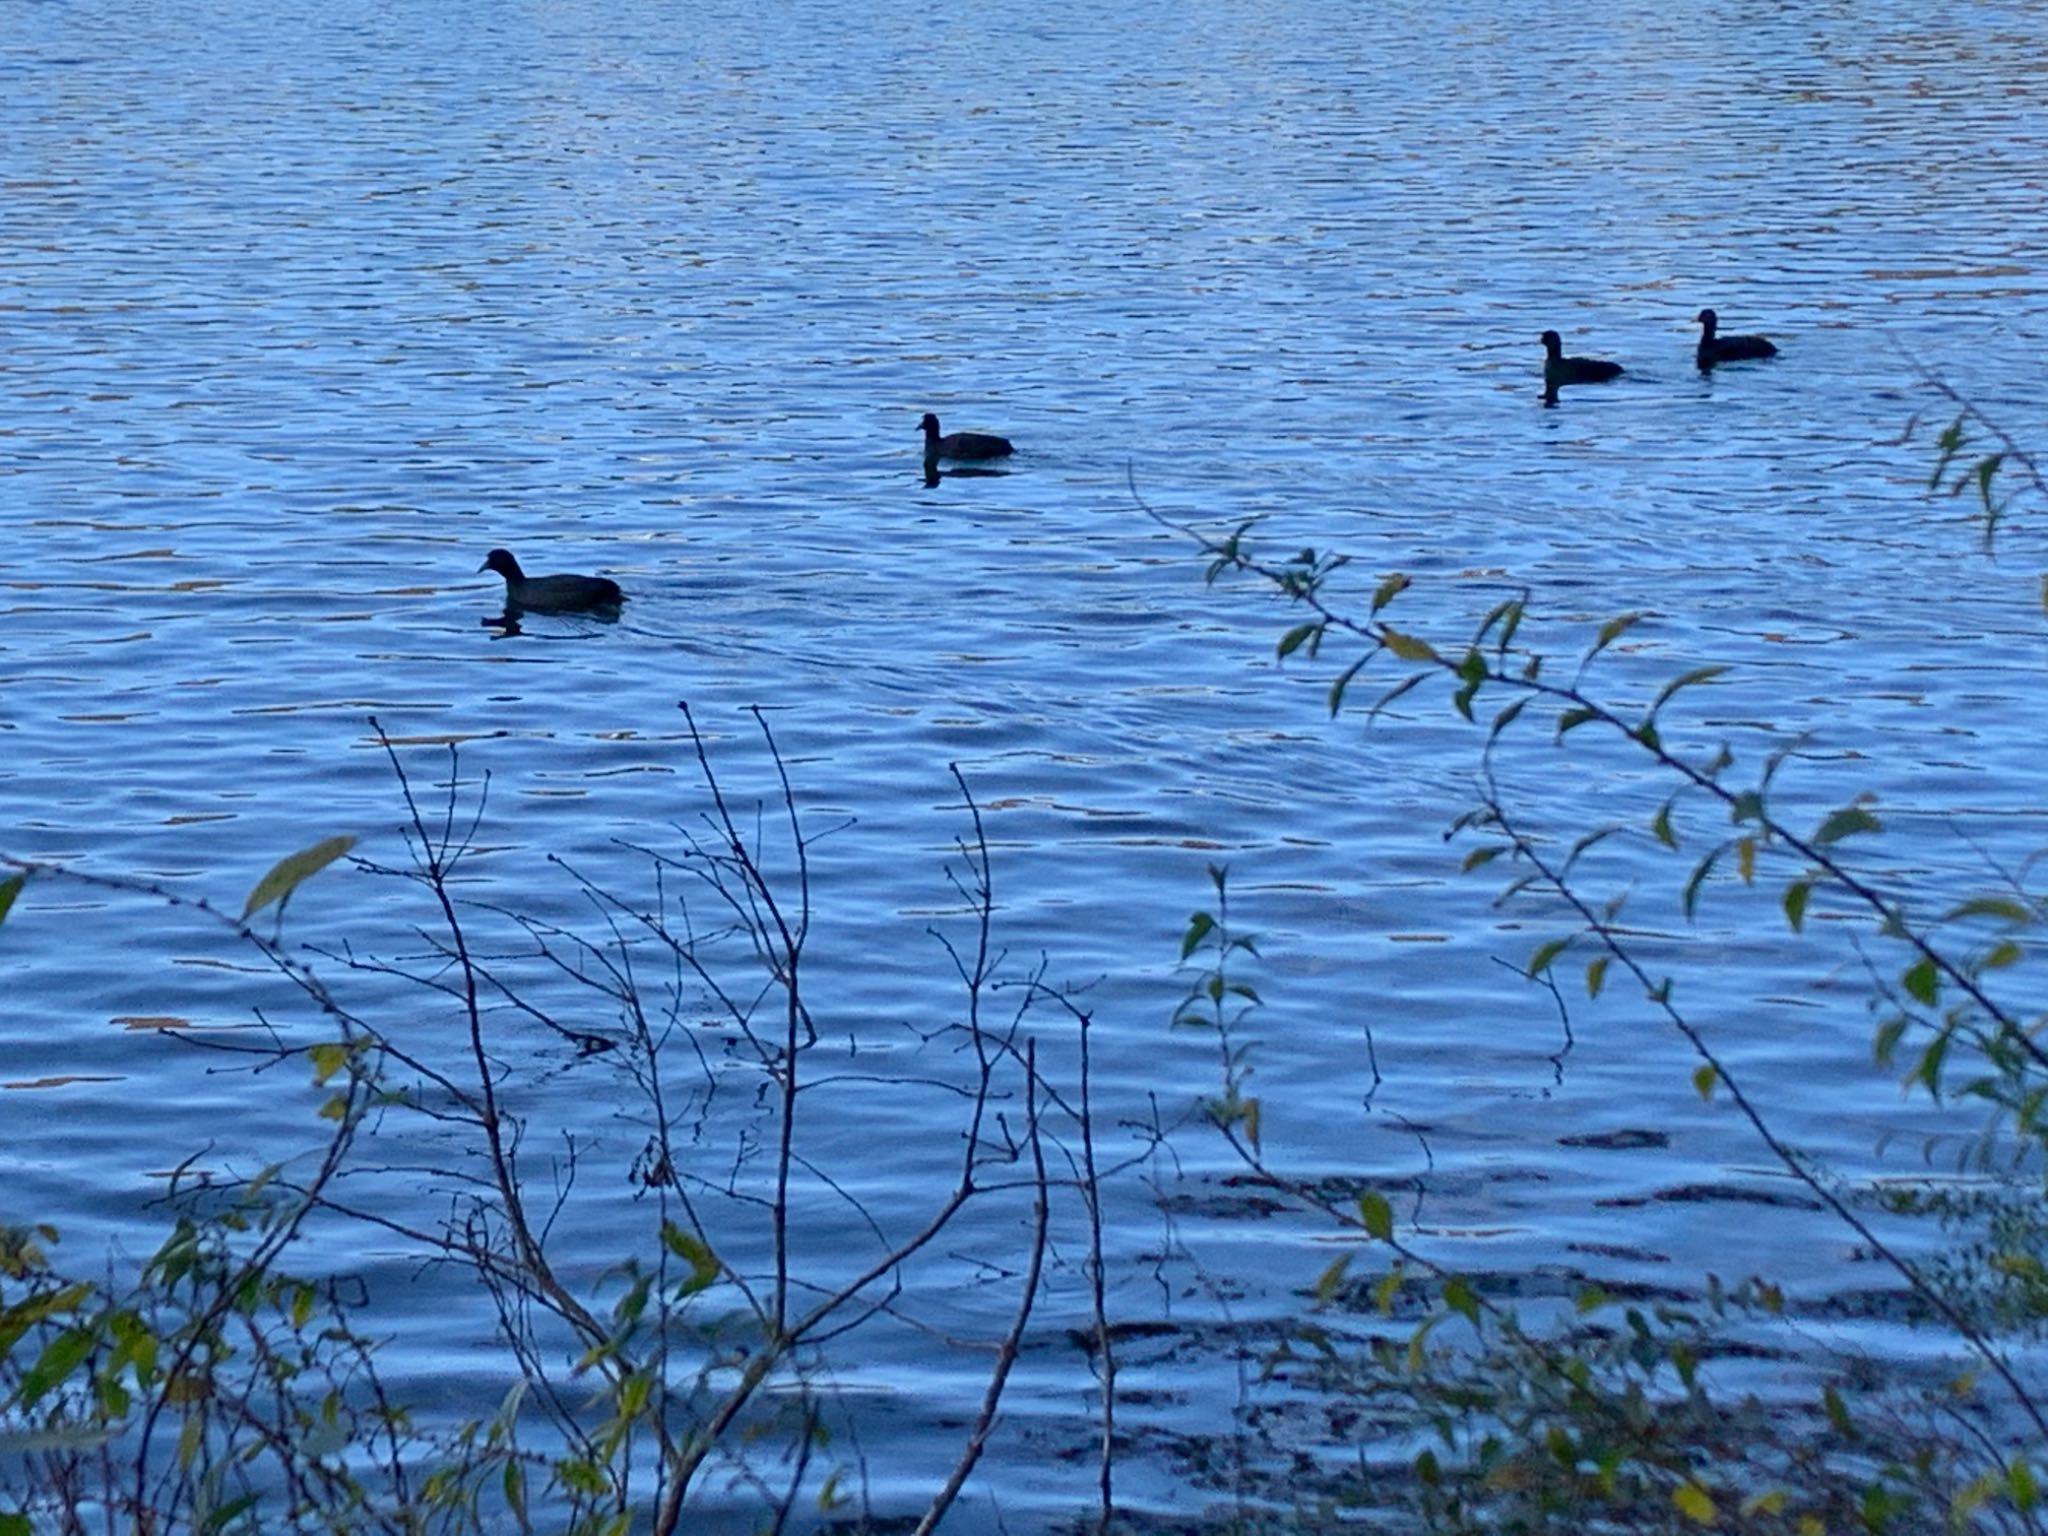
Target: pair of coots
<point x="1714" y="348"/>
<point x="567" y="593"/>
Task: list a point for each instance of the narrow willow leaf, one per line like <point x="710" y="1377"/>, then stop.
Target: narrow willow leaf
<point x="1292" y="640"/>
<point x="1377" y="1215"/>
<point x="1200" y="925"/>
<point x="1407" y="647"/>
<point x="1494" y="615"/>
<point x="1596" y="975"/>
<point x="1590" y="1299"/>
<point x="1250" y="1115"/>
<point x="1797" y="894"/>
<point x="1987" y="468"/>
<point x="1660" y="826"/>
<point x="1572" y="719"/>
<point x="1646" y="733"/>
<point x="1746" y="805"/>
<point x="1343" y="682"/>
<point x="2002" y="907"/>
<point x="1950" y="443"/>
<point x="1927" y="1070"/>
<point x="1545" y="953"/>
<point x="1331" y="1280"/>
<point x="1745" y="859"/>
<point x="1612" y="631"/>
<point x="1922" y="981"/>
<point x="1885" y="1043"/>
<point x="1691" y="679"/>
<point x="1507" y="716"/>
<point x="1700" y="872"/>
<point x="1704" y="1077"/>
<point x="1846" y="822"/>
<point x="1479" y="856"/>
<point x="1394" y="693"/>
<point x="2001" y="955"/>
<point x="1837" y="1411"/>
<point x="292" y="871"/>
<point x="1389" y="589"/>
<point x="9" y="889"/>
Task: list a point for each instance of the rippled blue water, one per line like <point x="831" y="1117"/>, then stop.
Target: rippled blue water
<point x="301" y="315"/>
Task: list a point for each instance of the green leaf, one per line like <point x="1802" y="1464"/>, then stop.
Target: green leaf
<point x="694" y="1251"/>
<point x="1700" y="872"/>
<point x="292" y="871"/>
<point x="1344" y="681"/>
<point x="1922" y="981"/>
<point x="1612" y="631"/>
<point x="1950" y="443"/>
<point x="1694" y="1503"/>
<point x="1837" y="1411"/>
<point x="1479" y="856"/>
<point x="1394" y="693"/>
<point x="1407" y="647"/>
<point x="1331" y="1280"/>
<point x="2015" y="913"/>
<point x="328" y="1058"/>
<point x="1846" y="822"/>
<point x="9" y="889"/>
<point x="1545" y="953"/>
<point x="2019" y="1479"/>
<point x="1200" y="926"/>
<point x="1461" y="1299"/>
<point x="1293" y="639"/>
<point x="1377" y="1215"/>
<point x="1507" y="716"/>
<point x="2001" y="955"/>
<point x="59" y="1358"/>
<point x="1796" y="896"/>
<point x="1572" y="719"/>
<point x="1691" y="679"/>
<point x="1986" y="469"/>
<point x="1389" y="589"/>
<point x="1885" y="1043"/>
<point x="1704" y="1077"/>
<point x="1596" y="975"/>
<point x="1660" y="826"/>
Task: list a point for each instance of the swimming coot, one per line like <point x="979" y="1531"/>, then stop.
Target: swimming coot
<point x="551" y="594"/>
<point x="1727" y="349"/>
<point x="1559" y="370"/>
<point x="962" y="445"/>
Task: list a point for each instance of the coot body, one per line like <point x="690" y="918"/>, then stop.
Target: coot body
<point x="551" y="594"/>
<point x="962" y="445"/>
<point x="1715" y="348"/>
<point x="1559" y="370"/>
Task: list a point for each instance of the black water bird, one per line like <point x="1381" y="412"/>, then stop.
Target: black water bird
<point x="962" y="445"/>
<point x="1727" y="349"/>
<point x="551" y="594"/>
<point x="1559" y="370"/>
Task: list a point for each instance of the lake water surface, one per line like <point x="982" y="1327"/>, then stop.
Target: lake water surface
<point x="300" y="316"/>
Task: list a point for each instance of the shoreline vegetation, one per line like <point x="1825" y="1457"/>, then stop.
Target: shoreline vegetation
<point x="230" y="1382"/>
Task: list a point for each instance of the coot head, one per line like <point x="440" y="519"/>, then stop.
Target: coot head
<point x="502" y="561"/>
